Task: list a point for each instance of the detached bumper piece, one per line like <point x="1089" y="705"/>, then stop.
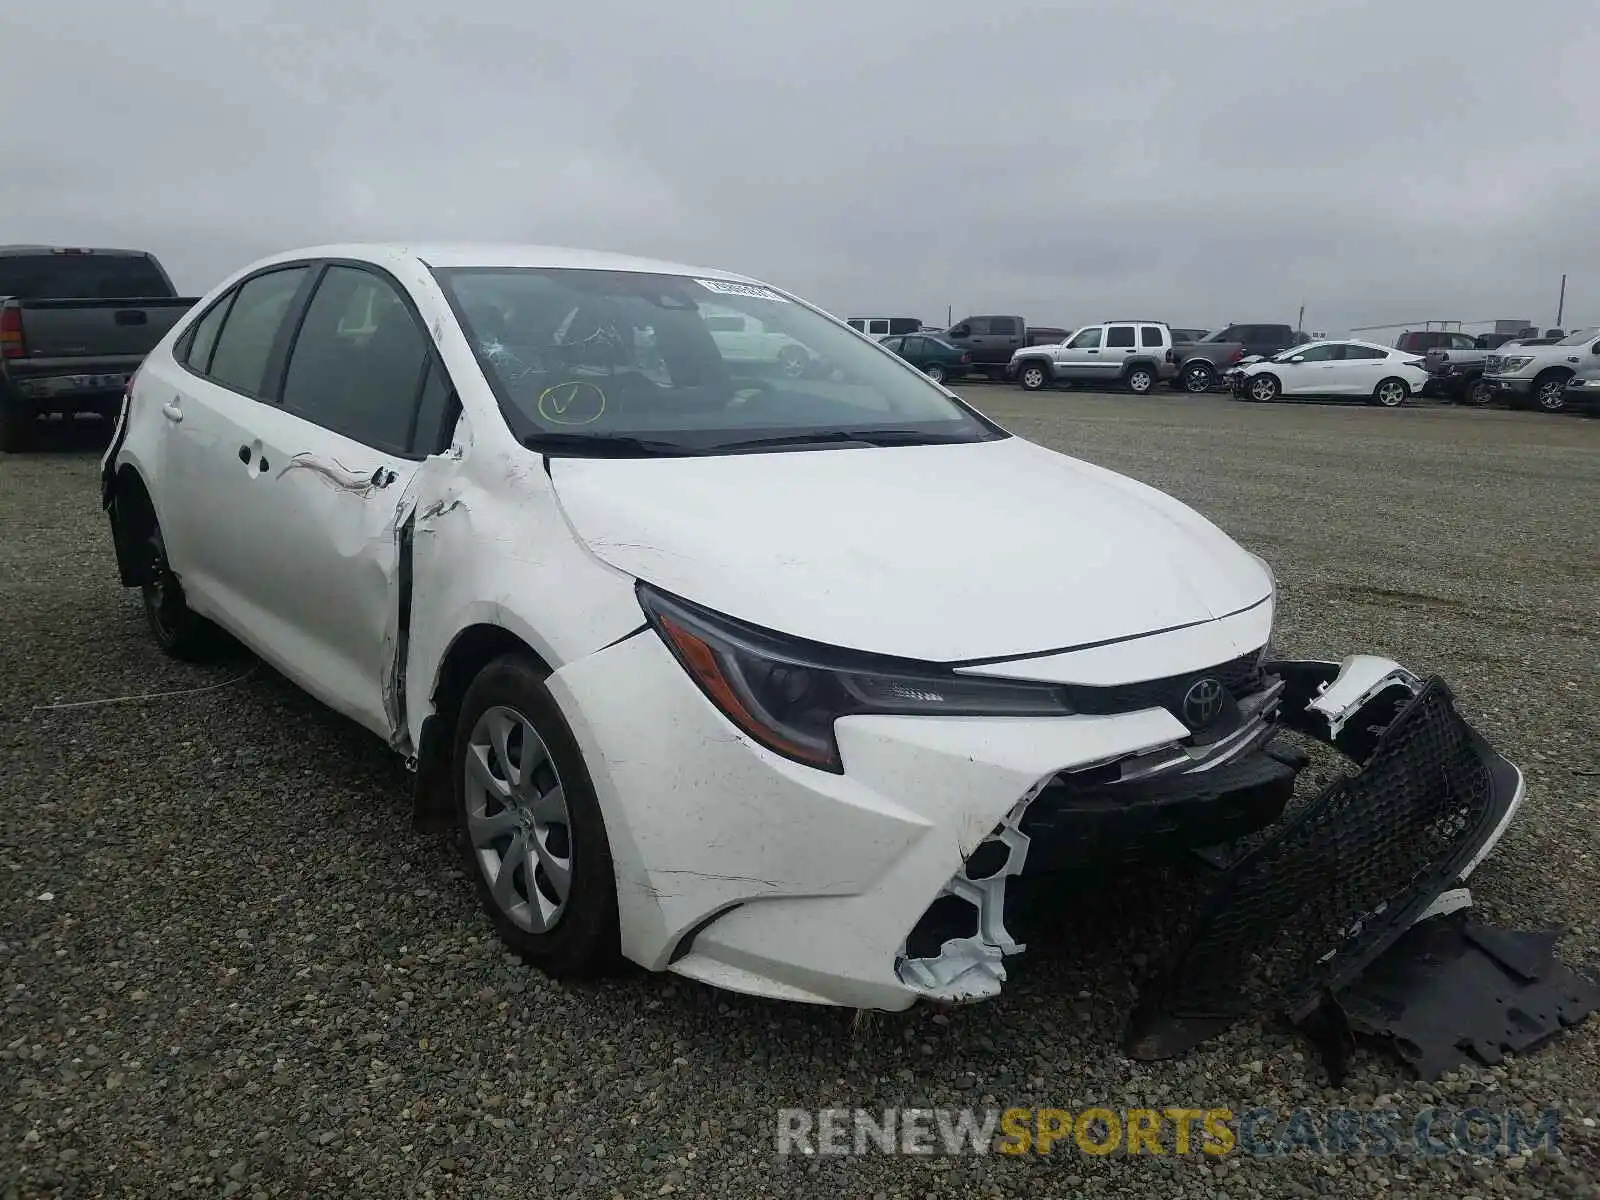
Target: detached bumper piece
<point x="1299" y="918"/>
<point x="1451" y="991"/>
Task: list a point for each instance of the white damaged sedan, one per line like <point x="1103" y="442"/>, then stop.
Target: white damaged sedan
<point x="772" y="679"/>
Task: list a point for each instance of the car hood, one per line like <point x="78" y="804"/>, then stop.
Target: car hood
<point x="941" y="553"/>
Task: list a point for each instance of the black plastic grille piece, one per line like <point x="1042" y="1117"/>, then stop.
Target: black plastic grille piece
<point x="1310" y="907"/>
<point x="1239" y="677"/>
<point x="1091" y="821"/>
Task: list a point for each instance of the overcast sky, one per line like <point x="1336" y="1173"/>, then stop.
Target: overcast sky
<point x="1192" y="162"/>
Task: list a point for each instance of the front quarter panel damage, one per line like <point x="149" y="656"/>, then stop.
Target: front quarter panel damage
<point x="482" y="541"/>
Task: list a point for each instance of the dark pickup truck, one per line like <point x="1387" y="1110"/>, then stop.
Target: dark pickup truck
<point x="74" y="326"/>
<point x="993" y="340"/>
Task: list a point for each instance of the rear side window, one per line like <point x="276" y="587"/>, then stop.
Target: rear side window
<point x="203" y="337"/>
<point x="877" y="327"/>
<point x="357" y="362"/>
<point x="1150" y="335"/>
<point x="1363" y="352"/>
<point x="245" y="343"/>
<point x="81" y="276"/>
<point x="1119" y="336"/>
<point x="857" y="324"/>
<point x="1003" y="325"/>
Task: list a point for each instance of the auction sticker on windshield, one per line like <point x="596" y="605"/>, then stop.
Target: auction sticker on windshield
<point x="740" y="289"/>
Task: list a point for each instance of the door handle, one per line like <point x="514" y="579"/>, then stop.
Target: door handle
<point x="1094" y="352"/>
<point x="171" y="411"/>
<point x="383" y="477"/>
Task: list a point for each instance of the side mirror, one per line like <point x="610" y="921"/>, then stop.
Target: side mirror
<point x="961" y="331"/>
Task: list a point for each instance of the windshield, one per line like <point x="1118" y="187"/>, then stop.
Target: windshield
<point x="608" y="362"/>
<point x="1578" y="337"/>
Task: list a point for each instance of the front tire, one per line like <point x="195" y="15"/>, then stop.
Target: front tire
<point x="1198" y="378"/>
<point x="530" y="829"/>
<point x="1140" y="380"/>
<point x="1263" y="389"/>
<point x="1390" y="393"/>
<point x="1478" y="394"/>
<point x="1034" y="377"/>
<point x="1550" y="392"/>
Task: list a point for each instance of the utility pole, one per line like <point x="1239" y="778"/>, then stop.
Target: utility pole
<point x="950" y="315"/>
<point x="1561" y="305"/>
<point x="1300" y="321"/>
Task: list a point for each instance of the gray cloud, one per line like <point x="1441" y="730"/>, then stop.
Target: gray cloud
<point x="1377" y="162"/>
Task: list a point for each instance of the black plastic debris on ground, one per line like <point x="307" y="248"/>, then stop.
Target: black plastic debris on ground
<point x="1451" y="991"/>
<point x="1299" y="917"/>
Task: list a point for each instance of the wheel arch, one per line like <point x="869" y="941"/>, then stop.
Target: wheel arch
<point x="469" y="651"/>
<point x="133" y="515"/>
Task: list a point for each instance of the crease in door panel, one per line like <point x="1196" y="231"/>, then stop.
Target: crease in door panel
<point x="333" y="471"/>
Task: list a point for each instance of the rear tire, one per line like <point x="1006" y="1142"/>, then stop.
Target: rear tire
<point x="1198" y="378"/>
<point x="520" y="781"/>
<point x="178" y="630"/>
<point x="1478" y="393"/>
<point x="934" y="372"/>
<point x="1140" y="380"/>
<point x="17" y="426"/>
<point x="1390" y="393"/>
<point x="1034" y="377"/>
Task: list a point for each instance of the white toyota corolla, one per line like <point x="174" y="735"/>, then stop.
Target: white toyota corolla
<point x="770" y="678"/>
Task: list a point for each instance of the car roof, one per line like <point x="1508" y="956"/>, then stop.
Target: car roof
<point x="498" y="254"/>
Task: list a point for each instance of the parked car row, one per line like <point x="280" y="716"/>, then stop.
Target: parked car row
<point x="1263" y="362"/>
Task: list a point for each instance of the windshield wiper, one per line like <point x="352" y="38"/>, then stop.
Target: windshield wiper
<point x="842" y="437"/>
<point x="604" y="445"/>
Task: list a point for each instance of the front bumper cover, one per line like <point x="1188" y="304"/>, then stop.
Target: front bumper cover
<point x="1324" y="893"/>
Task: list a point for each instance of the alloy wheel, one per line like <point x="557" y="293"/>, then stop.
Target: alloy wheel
<point x="935" y="372"/>
<point x="1197" y="380"/>
<point x="1263" y="389"/>
<point x="1032" y="378"/>
<point x="1391" y="393"/>
<point x="1553" y="395"/>
<point x="517" y="820"/>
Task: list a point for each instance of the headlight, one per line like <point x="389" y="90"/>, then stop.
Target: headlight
<point x="786" y="693"/>
<point x="1516" y="364"/>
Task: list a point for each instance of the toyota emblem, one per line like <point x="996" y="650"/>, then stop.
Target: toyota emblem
<point x="1202" y="703"/>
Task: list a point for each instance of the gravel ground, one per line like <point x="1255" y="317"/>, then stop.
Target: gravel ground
<point x="230" y="968"/>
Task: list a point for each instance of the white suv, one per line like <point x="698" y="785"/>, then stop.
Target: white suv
<point x="1132" y="354"/>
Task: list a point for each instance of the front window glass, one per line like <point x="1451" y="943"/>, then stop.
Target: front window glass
<point x="1089" y="339"/>
<point x="614" y="361"/>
